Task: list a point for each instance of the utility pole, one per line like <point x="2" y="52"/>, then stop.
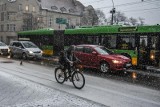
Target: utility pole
<point x="112" y="12"/>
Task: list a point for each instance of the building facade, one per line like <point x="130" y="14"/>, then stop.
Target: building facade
<point x="22" y="15"/>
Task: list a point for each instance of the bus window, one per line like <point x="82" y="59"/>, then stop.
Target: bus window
<point x="143" y="42"/>
<point x="109" y="41"/>
<point x="126" y="42"/>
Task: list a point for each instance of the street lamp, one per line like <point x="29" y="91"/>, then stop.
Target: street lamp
<point x="112" y="12"/>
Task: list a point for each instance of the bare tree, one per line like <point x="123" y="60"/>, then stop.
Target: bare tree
<point x="119" y="17"/>
<point x="133" y="21"/>
<point x="89" y="16"/>
<point x="101" y="17"/>
<point x="141" y="20"/>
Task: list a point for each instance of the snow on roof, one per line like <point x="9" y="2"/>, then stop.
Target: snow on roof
<point x="62" y="6"/>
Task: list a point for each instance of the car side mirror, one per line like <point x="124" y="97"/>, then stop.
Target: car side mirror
<point x="94" y="53"/>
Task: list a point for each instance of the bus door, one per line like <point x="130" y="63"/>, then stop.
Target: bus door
<point x="58" y="41"/>
<point x="148" y="49"/>
<point x="154" y="52"/>
<point x="143" y="50"/>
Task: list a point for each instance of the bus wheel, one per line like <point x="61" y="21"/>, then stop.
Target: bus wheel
<point x="104" y="67"/>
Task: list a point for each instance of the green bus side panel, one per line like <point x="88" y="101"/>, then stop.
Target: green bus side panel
<point x="113" y="30"/>
<point x="149" y="29"/>
<point x="132" y="53"/>
<point x="47" y="47"/>
<point x="93" y="30"/>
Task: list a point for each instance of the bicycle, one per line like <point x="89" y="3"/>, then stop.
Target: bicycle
<point x="77" y="77"/>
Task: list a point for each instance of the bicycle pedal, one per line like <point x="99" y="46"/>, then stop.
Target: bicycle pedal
<point x="66" y="79"/>
<point x="70" y="80"/>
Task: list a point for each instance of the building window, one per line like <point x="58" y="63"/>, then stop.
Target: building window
<point x="2" y="28"/>
<point x="10" y="15"/>
<point x="50" y="22"/>
<point x="2" y="7"/>
<point x="63" y="9"/>
<point x="33" y="9"/>
<point x="27" y="8"/>
<point x="2" y="38"/>
<point x="11" y="27"/>
<point x="2" y="16"/>
<point x="5" y="6"/>
<point x="8" y="27"/>
<point x="54" y="8"/>
<point x="71" y="10"/>
<point x="20" y="7"/>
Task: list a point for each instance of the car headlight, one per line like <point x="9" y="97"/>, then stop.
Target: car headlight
<point x="8" y="50"/>
<point x="30" y="52"/>
<point x="116" y="61"/>
<point x="41" y="52"/>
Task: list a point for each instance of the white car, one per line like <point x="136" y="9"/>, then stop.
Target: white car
<point x="24" y="49"/>
<point x="4" y="49"/>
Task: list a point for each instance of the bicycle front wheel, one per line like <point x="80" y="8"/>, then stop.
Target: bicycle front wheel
<point x="78" y="80"/>
<point x="60" y="75"/>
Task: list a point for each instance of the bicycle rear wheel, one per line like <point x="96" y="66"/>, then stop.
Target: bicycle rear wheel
<point x="60" y="75"/>
<point x="78" y="80"/>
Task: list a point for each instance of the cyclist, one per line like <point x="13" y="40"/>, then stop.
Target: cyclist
<point x="70" y="55"/>
<point x="63" y="60"/>
<point x="66" y="59"/>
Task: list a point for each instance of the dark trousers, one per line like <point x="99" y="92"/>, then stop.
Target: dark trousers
<point x="67" y="66"/>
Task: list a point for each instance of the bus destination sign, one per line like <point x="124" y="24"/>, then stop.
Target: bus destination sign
<point x="127" y="29"/>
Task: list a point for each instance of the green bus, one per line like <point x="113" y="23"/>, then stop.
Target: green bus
<point x="140" y="43"/>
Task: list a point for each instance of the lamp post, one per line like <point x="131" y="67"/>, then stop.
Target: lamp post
<point x="112" y="12"/>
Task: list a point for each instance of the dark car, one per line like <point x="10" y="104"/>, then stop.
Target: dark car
<point x="99" y="57"/>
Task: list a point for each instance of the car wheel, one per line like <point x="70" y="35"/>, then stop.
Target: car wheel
<point x="104" y="67"/>
<point x="24" y="56"/>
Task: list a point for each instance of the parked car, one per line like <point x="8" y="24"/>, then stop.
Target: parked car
<point x="99" y="57"/>
<point x="4" y="49"/>
<point x="24" y="49"/>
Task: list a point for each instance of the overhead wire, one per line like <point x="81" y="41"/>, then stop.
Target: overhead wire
<point x="133" y="3"/>
<point x="93" y="2"/>
<point x="142" y="9"/>
<point x="128" y="4"/>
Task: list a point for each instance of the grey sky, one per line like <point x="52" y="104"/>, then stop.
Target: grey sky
<point x="149" y="9"/>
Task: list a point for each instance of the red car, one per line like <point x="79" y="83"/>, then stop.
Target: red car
<point x="99" y="57"/>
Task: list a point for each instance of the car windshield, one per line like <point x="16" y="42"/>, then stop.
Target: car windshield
<point x="2" y="44"/>
<point x="29" y="45"/>
<point x="103" y="51"/>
